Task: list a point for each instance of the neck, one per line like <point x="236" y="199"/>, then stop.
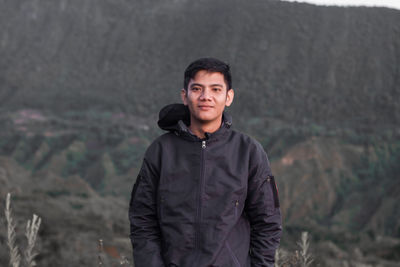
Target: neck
<point x="200" y="128"/>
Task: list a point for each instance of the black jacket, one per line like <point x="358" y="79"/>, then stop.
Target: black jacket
<point x="204" y="202"/>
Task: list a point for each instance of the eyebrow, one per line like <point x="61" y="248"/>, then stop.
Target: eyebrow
<point x="212" y="85"/>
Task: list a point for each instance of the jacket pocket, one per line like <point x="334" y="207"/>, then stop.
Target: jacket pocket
<point x="233" y="256"/>
<point x="272" y="194"/>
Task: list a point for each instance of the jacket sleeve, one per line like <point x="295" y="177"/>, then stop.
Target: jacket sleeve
<point x="145" y="231"/>
<point x="262" y="208"/>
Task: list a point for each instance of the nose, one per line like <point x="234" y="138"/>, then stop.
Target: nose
<point x="205" y="94"/>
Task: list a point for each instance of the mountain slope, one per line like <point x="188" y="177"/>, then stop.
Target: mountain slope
<point x="297" y="62"/>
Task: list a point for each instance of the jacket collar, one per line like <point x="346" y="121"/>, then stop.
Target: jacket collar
<point x="176" y="118"/>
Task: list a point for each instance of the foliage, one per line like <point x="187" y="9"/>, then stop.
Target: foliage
<point x="27" y="147"/>
<point x="126" y="157"/>
<point x="58" y="193"/>
<point x="76" y="163"/>
<point x="373" y="178"/>
<point x="328" y="69"/>
<point x="9" y="143"/>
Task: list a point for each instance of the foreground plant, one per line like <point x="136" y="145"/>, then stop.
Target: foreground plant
<point x="31" y="234"/>
<point x="32" y="228"/>
<point x="300" y="258"/>
<point x="15" y="258"/>
<point x="304" y="244"/>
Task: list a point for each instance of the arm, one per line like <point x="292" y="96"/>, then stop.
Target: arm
<point x="145" y="232"/>
<point x="262" y="208"/>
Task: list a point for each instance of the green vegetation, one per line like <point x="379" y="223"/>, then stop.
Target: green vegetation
<point x="127" y="157"/>
<point x="337" y="69"/>
<point x="58" y="193"/>
<point x="27" y="147"/>
<point x="375" y="177"/>
<point x="8" y="143"/>
<point x="76" y="161"/>
<point x="76" y="206"/>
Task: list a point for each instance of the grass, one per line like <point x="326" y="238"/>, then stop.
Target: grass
<point x="31" y="231"/>
<point x="15" y="257"/>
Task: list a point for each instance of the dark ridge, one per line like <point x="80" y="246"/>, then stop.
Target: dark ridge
<point x="300" y="63"/>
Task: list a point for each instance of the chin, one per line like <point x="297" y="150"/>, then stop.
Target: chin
<point x="201" y="115"/>
<point x="205" y="120"/>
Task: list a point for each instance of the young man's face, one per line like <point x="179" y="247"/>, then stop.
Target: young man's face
<point x="206" y="97"/>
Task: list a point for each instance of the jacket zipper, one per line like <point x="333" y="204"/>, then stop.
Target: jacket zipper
<point x="200" y="191"/>
<point x="203" y="144"/>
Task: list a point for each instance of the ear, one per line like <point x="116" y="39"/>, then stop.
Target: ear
<point x="184" y="96"/>
<point x="229" y="97"/>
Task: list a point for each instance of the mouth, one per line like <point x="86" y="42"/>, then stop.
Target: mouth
<point x="205" y="107"/>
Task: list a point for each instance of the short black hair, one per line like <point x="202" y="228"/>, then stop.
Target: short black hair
<point x="208" y="64"/>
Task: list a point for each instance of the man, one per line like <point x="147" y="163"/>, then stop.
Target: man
<point x="205" y="195"/>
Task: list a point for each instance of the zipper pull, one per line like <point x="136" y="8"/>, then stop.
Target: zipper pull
<point x="237" y="203"/>
<point x="203" y="144"/>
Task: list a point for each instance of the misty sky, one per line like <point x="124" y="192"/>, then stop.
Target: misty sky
<point x="384" y="3"/>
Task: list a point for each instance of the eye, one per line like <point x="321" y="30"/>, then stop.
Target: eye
<point x="216" y="89"/>
<point x="195" y="88"/>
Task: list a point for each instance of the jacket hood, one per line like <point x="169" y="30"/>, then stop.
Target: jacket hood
<point x="176" y="118"/>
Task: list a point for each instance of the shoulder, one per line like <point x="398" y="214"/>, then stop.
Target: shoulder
<point x="250" y="142"/>
<point x="153" y="154"/>
<point x="256" y="155"/>
<point x="156" y="147"/>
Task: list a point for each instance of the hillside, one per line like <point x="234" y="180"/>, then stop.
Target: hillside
<point x="296" y="62"/>
<point x="343" y="189"/>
